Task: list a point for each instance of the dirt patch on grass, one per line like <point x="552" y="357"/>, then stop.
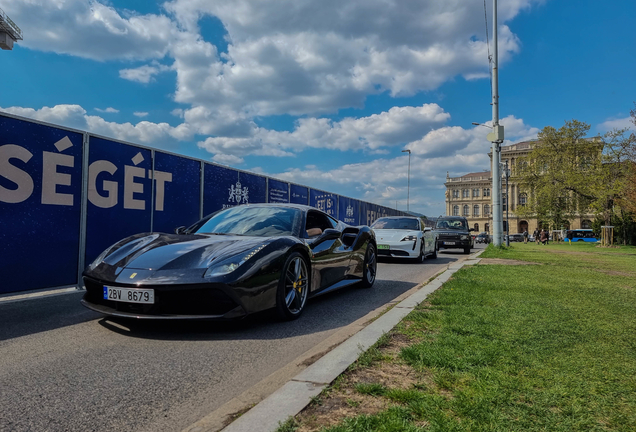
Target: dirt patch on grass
<point x="342" y="400"/>
<point x="616" y="273"/>
<point x="559" y="251"/>
<point x="506" y="261"/>
<point x="332" y="410"/>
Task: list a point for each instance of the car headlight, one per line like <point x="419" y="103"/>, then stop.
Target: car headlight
<point x="464" y="237"/>
<point x="232" y="264"/>
<point x="409" y="238"/>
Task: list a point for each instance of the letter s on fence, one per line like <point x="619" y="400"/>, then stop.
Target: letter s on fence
<point x="110" y="200"/>
<point x="14" y="174"/>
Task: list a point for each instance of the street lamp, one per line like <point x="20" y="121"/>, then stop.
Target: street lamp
<point x="496" y="137"/>
<point x="507" y="174"/>
<point x="9" y="32"/>
<point x="408" y="187"/>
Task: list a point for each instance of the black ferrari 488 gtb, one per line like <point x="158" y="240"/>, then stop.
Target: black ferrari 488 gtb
<point x="230" y="264"/>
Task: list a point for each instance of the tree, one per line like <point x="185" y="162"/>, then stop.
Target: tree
<point x="628" y="201"/>
<point x="552" y="176"/>
<point x="568" y="174"/>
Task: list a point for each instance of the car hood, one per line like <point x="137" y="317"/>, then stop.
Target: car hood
<point x="393" y="234"/>
<point x="174" y="251"/>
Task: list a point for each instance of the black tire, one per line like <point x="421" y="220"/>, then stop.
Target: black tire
<point x="370" y="267"/>
<point x="420" y="258"/>
<point x="434" y="254"/>
<point x="293" y="287"/>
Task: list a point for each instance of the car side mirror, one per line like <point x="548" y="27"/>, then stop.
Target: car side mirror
<point x="329" y="234"/>
<point x="427" y="229"/>
<point x="471" y="229"/>
<point x="180" y="230"/>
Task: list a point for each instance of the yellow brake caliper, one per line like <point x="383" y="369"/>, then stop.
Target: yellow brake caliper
<point x="300" y="285"/>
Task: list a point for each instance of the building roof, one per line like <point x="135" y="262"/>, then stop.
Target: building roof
<point x="520" y="142"/>
<point x="477" y="174"/>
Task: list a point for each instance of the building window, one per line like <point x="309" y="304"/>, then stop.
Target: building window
<point x="455" y="193"/>
<point x="486" y="210"/>
<point x="504" y="203"/>
<point x="456" y="210"/>
<point x="476" y="210"/>
<point x="586" y="224"/>
<point x="487" y="227"/>
<point x="523" y="199"/>
<point x="476" y="227"/>
<point x="465" y="193"/>
<point x="466" y="211"/>
<point x="486" y="192"/>
<point x="475" y="193"/>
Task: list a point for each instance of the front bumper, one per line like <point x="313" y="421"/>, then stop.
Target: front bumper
<point x="454" y="244"/>
<point x="402" y="249"/>
<point x="202" y="301"/>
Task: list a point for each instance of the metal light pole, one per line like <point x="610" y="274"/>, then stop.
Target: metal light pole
<point x="507" y="173"/>
<point x="408" y="187"/>
<point x="496" y="137"/>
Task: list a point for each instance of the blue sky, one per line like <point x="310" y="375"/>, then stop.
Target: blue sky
<point x="325" y="94"/>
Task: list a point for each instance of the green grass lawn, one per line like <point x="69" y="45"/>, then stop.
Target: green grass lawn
<point x="548" y="347"/>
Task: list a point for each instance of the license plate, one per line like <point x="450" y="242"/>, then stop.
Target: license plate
<point x="384" y="246"/>
<point x="129" y="295"/>
<point x="450" y="243"/>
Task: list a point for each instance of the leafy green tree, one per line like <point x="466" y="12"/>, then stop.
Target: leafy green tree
<point x="552" y="173"/>
<point x="567" y="174"/>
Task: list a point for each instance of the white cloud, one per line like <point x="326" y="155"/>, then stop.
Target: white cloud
<point x="447" y="149"/>
<point x="374" y="133"/>
<point x="73" y="116"/>
<point x="156" y="134"/>
<point x="140" y="113"/>
<point x="107" y="110"/>
<point x="297" y="57"/>
<point x="302" y="57"/>
<point x="143" y="74"/>
<point x="90" y="29"/>
<point x="619" y="123"/>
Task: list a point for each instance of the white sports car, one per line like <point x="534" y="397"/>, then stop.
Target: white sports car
<point x="404" y="237"/>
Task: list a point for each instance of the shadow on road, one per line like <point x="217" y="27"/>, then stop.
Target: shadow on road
<point x="323" y="313"/>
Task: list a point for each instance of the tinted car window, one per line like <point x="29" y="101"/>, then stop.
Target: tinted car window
<point x="253" y="221"/>
<point x="393" y="223"/>
<point x="453" y="224"/>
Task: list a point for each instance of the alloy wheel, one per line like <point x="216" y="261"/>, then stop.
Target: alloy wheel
<point x="296" y="285"/>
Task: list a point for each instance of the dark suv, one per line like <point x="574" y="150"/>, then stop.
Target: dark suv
<point x="483" y="238"/>
<point x="453" y="233"/>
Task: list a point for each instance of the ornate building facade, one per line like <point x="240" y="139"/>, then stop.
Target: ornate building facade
<point x="470" y="196"/>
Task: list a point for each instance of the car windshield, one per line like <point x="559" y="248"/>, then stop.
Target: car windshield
<point x="396" y="223"/>
<point x="253" y="221"/>
<point x="454" y="224"/>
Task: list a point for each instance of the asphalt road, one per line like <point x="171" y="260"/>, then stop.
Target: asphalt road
<point x="65" y="368"/>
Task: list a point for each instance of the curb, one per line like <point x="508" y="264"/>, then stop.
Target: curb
<point x="297" y="393"/>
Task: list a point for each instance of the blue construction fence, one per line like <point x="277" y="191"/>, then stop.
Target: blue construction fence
<point x="66" y="195"/>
